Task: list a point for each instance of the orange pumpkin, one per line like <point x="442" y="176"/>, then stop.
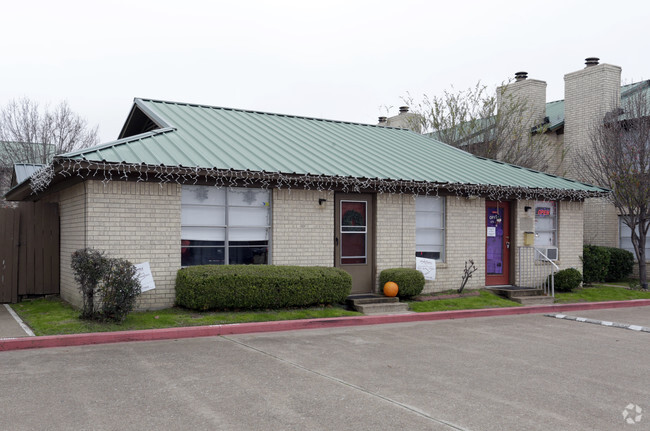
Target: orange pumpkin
<point x="390" y="289"/>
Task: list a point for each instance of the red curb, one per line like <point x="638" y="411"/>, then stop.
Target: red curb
<point x="290" y="325"/>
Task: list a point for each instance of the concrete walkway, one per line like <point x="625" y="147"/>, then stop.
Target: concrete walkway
<point x="10" y="324"/>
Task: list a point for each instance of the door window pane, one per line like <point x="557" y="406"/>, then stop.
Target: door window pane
<point x="353" y="232"/>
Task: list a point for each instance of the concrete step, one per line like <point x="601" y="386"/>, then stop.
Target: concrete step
<point x="533" y="300"/>
<point x="511" y="292"/>
<point x="383" y="308"/>
<point x="354" y="300"/>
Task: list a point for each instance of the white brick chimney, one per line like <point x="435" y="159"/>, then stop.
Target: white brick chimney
<point x="530" y="93"/>
<point x="404" y="120"/>
<point x="588" y="95"/>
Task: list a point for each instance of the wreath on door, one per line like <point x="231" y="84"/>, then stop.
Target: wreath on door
<point x="353" y="218"/>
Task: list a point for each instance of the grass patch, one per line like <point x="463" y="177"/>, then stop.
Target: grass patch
<point x="600" y="293"/>
<point x="484" y="300"/>
<point x="52" y="316"/>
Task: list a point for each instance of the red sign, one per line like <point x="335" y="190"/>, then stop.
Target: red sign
<point x="543" y="212"/>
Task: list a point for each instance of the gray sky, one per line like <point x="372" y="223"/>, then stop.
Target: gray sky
<point x="332" y="59"/>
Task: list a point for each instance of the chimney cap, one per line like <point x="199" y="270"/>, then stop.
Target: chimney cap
<point x="403" y="109"/>
<point x="383" y="119"/>
<point x="520" y="76"/>
<point x="591" y="61"/>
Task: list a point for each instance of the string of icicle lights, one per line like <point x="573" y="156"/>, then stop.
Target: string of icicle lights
<point x="106" y="172"/>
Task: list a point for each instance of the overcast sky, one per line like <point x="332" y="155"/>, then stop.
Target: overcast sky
<point x="332" y="59"/>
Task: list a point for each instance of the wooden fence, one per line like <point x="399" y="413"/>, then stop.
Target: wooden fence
<point x="29" y="250"/>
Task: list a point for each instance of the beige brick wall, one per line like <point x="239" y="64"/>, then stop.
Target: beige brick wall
<point x="395" y="232"/>
<point x="464" y="240"/>
<point x="303" y="230"/>
<point x="140" y="222"/>
<point x="570" y="234"/>
<point x="601" y="223"/>
<point x="72" y="204"/>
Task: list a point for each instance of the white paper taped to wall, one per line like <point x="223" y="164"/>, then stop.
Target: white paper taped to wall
<point x="144" y="275"/>
<point x="427" y="267"/>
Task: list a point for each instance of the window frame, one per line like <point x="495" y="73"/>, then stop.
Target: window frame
<point x="226" y="206"/>
<point x="621" y="225"/>
<point x="443" y="229"/>
<point x="556" y="220"/>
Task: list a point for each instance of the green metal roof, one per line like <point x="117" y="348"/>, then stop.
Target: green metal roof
<point x="555" y="110"/>
<point x="212" y="137"/>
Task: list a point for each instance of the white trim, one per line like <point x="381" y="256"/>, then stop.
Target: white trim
<point x="20" y="321"/>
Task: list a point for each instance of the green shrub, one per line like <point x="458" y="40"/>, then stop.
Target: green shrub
<point x="89" y="267"/>
<point x="595" y="262"/>
<point x="109" y="286"/>
<point x="567" y="279"/>
<point x="410" y="282"/>
<point x="119" y="290"/>
<point x="621" y="264"/>
<point x="227" y="287"/>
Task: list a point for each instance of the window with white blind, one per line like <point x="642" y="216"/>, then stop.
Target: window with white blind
<point x="224" y="225"/>
<point x="545" y="223"/>
<point x="625" y="238"/>
<point x="430" y="227"/>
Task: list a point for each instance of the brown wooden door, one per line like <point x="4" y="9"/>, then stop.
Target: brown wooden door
<point x="497" y="243"/>
<point x="354" y="239"/>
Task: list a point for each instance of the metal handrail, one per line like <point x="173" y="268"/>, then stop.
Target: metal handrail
<point x="534" y="271"/>
<point x="557" y="268"/>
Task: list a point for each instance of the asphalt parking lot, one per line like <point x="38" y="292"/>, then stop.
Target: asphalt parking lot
<point x="526" y="372"/>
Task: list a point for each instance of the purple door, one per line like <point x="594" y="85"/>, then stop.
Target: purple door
<point x="497" y="243"/>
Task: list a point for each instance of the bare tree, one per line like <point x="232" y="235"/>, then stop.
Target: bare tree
<point x="29" y="134"/>
<point x="620" y="160"/>
<point x="493" y="124"/>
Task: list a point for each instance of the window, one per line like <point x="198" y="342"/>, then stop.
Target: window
<point x="625" y="238"/>
<point x="545" y="224"/>
<point x="224" y="226"/>
<point x="430" y="227"/>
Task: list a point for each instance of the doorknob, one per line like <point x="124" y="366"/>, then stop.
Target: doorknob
<point x="507" y="244"/>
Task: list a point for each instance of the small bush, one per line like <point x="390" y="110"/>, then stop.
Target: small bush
<point x="89" y="267"/>
<point x="119" y="290"/>
<point x="567" y="279"/>
<point x="621" y="264"/>
<point x="410" y="282"/>
<point x="595" y="262"/>
<point x="109" y="286"/>
<point x="227" y="287"/>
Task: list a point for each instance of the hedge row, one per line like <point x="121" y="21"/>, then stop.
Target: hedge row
<point x="228" y="287"/>
<point x="606" y="263"/>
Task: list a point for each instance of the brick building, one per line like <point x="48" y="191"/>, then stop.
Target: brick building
<point x="188" y="184"/>
<point x="589" y="93"/>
